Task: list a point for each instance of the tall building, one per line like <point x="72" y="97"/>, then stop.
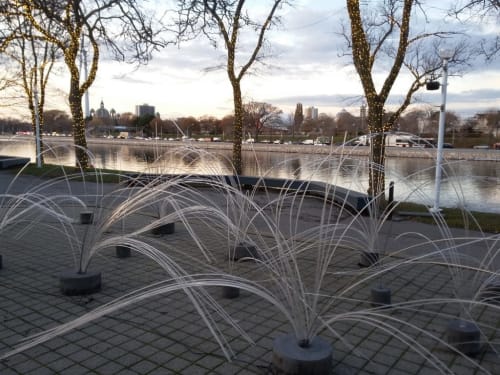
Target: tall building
<point x="362" y="116"/>
<point x="143" y="110"/>
<point x="312" y="113"/>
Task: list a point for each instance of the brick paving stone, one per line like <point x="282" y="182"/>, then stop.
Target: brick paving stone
<point x="61" y="364"/>
<point x="41" y="371"/>
<point x="114" y="352"/>
<point x="176" y="364"/>
<point x="82" y="355"/>
<point x="118" y="339"/>
<point x="195" y="370"/>
<point x="110" y="368"/>
<point x="160" y="371"/>
<point x="394" y="371"/>
<point x="210" y="361"/>
<point x="50" y="357"/>
<point x="88" y="342"/>
<point x="144" y="367"/>
<point x="407" y="367"/>
<point x="92" y="363"/>
<point x="100" y="347"/>
<point x="146" y="351"/>
<point x="131" y="345"/>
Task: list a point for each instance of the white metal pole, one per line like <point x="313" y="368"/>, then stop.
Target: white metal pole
<point x="439" y="156"/>
<point x="83" y="61"/>
<point x="37" y="129"/>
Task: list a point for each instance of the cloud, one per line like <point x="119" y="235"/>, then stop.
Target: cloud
<point x="334" y="100"/>
<point x="303" y="64"/>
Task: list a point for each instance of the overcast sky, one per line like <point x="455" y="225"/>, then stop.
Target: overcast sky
<point x="304" y="65"/>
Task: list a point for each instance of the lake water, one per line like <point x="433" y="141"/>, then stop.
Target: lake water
<point x="475" y="184"/>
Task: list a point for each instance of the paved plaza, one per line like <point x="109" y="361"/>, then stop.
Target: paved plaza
<point x="164" y="334"/>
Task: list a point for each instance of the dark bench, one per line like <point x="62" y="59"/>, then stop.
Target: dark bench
<point x="352" y="200"/>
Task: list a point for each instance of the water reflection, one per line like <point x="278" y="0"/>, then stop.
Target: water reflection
<point x="472" y="183"/>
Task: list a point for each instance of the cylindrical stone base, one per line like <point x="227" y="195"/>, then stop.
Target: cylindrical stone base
<point x="381" y="296"/>
<point x="72" y="283"/>
<point x="289" y="358"/>
<point x="368" y="259"/>
<point x="230" y="292"/>
<point x="122" y="251"/>
<point x="167" y="228"/>
<point x="86" y="217"/>
<point x="464" y="336"/>
<point x="244" y="251"/>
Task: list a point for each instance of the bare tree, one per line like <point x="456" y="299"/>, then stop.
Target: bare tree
<point x="57" y="121"/>
<point x="226" y="20"/>
<point x="384" y="39"/>
<point x="210" y="125"/>
<point x="8" y="79"/>
<point x="120" y="25"/>
<point x="492" y="118"/>
<point x="414" y="121"/>
<point x="326" y="125"/>
<point x="189" y="125"/>
<point x="260" y="115"/>
<point x="227" y="125"/>
<point x="346" y="123"/>
<point x="10" y="74"/>
<point x="487" y="11"/>
<point x="34" y="58"/>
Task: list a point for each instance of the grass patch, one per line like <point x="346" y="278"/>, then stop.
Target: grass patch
<point x="454" y="217"/>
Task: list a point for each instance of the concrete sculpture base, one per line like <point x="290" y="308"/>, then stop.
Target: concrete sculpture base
<point x="72" y="283"/>
<point x="292" y="359"/>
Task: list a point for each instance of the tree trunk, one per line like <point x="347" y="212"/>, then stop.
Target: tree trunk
<point x="377" y="149"/>
<point x="237" y="127"/>
<point x="33" y="127"/>
<point x="75" y="104"/>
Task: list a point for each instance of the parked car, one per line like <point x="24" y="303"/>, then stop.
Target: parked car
<point x="482" y="147"/>
<point x="496" y="146"/>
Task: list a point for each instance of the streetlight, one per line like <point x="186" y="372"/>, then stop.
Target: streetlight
<point x="445" y="55"/>
<point x="85" y="76"/>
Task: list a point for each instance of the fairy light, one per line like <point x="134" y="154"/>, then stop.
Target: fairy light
<point x="235" y="83"/>
<point x="238" y="131"/>
<point x="70" y="52"/>
<point x="363" y="61"/>
<point x="231" y="40"/>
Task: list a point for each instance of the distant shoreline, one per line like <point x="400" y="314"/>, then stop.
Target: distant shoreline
<point x="427" y="153"/>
